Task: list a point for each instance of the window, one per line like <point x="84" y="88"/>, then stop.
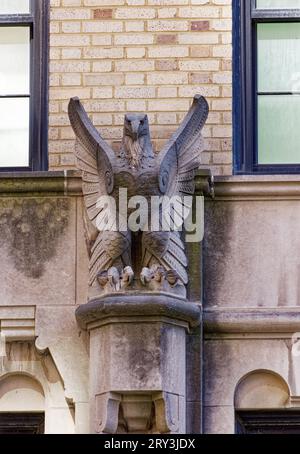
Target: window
<point x="23" y="84"/>
<point x="22" y="423"/>
<point x="266" y="86"/>
<point x="273" y="422"/>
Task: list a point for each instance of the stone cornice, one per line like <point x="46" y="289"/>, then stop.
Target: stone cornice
<point x="17" y="323"/>
<point x="258" y="187"/>
<point x="252" y="320"/>
<point x="253" y="187"/>
<point x="40" y="183"/>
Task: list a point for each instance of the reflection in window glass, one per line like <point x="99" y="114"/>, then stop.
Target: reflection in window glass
<point x="14" y="6"/>
<point x="15" y="60"/>
<point x="279" y="57"/>
<point x="278" y="129"/>
<point x="14" y="132"/>
<point x="277" y="4"/>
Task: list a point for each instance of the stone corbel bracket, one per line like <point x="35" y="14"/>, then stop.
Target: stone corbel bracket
<point x="137" y="412"/>
<point x="138" y="362"/>
<point x="107" y="309"/>
<point x="204" y="183"/>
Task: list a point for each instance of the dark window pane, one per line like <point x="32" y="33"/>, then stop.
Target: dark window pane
<point x="22" y="423"/>
<point x="268" y="422"/>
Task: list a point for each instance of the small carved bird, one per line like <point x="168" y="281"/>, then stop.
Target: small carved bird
<point x="136" y="168"/>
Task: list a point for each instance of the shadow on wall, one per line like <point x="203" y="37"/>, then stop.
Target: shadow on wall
<point x="216" y="248"/>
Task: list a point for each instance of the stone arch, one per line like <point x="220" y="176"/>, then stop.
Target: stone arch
<point x="261" y="389"/>
<point x="29" y="372"/>
<point x="21" y="392"/>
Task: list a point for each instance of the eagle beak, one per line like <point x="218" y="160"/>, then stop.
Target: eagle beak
<point x="135" y="129"/>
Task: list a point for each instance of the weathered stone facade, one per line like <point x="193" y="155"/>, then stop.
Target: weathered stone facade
<point x="235" y="347"/>
<point x="250" y="309"/>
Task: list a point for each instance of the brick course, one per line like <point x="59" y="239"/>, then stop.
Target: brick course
<point x="141" y="55"/>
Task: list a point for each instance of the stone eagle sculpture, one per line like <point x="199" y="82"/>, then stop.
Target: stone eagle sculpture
<point x="123" y="259"/>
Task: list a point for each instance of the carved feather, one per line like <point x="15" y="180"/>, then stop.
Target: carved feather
<point x="94" y="157"/>
<point x="181" y="157"/>
<point x="177" y="164"/>
<point x="109" y="247"/>
<point x="96" y="160"/>
<point x="167" y="249"/>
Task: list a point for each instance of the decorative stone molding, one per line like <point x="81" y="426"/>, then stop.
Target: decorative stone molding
<point x="138" y="413"/>
<point x="205" y="183"/>
<point x="41" y="183"/>
<point x="167" y="411"/>
<point x="23" y="359"/>
<point x="251" y="320"/>
<point x="107" y="412"/>
<point x="247" y="187"/>
<point x="145" y="336"/>
<point x="17" y="323"/>
<point x="258" y="187"/>
<point x="99" y="312"/>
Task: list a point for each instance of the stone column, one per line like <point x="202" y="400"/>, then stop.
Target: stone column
<point x="138" y="362"/>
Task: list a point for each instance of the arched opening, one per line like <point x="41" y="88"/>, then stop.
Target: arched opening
<point x="261" y="389"/>
<point x="262" y="405"/>
<point x="22" y="405"/>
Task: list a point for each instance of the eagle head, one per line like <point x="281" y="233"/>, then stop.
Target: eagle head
<point x="136" y="126"/>
<point x="136" y="141"/>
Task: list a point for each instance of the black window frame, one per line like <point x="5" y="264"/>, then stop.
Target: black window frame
<point x="22" y="423"/>
<point x="245" y="18"/>
<point x="267" y="422"/>
<point x="38" y="21"/>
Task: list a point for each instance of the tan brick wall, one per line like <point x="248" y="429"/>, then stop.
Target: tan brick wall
<point x="141" y="55"/>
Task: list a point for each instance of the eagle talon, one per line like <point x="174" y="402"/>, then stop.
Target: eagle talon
<point x="173" y="278"/>
<point x="114" y="278"/>
<point x="127" y="277"/>
<point x="159" y="273"/>
<point x="146" y="276"/>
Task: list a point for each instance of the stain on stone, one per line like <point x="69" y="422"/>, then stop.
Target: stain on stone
<point x="144" y="355"/>
<point x="142" y="362"/>
<point x="30" y="229"/>
<point x="21" y="351"/>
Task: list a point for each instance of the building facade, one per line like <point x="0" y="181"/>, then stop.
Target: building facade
<point x="236" y="371"/>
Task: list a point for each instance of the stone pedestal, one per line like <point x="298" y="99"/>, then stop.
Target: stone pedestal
<point x="137" y="362"/>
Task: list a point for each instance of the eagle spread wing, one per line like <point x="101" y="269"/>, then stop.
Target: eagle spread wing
<point x="96" y="160"/>
<point x="177" y="164"/>
<point x="94" y="157"/>
<point x="181" y="157"/>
